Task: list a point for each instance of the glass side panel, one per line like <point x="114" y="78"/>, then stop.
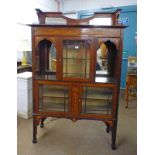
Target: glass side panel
<point x="102" y="60"/>
<point x="53" y="98"/>
<point x="97" y="100"/>
<point x="46" y="60"/>
<point x="76" y="58"/>
<point x="106" y="55"/>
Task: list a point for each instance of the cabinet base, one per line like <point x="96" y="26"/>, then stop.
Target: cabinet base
<point x="110" y="128"/>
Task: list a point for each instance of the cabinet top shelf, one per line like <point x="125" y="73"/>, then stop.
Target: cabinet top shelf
<point x="77" y="26"/>
<point x="99" y="19"/>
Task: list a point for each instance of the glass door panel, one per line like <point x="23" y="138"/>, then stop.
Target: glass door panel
<point x="76" y="59"/>
<point x="46" y="60"/>
<point x="97" y="100"/>
<point x="102" y="60"/>
<point x="53" y="98"/>
<point x="106" y="55"/>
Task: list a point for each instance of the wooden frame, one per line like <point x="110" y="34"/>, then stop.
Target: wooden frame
<point x="77" y="29"/>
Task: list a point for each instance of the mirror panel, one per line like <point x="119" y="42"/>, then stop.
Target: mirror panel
<point x="46" y="60"/>
<point x="101" y="21"/>
<point x="55" y="21"/>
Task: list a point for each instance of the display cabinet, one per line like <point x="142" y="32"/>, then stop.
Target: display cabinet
<point x="76" y="68"/>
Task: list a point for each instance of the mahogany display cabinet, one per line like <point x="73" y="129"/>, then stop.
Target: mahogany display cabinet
<point x="76" y="66"/>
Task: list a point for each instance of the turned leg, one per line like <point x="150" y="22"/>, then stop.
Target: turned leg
<point x="42" y="122"/>
<point x="113" y="136"/>
<point x="34" y="130"/>
<point x="107" y="128"/>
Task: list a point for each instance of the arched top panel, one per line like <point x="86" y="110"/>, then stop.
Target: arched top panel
<point x="99" y="18"/>
<point x="45" y="43"/>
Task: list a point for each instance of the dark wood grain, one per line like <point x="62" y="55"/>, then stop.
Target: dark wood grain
<point x="76" y="30"/>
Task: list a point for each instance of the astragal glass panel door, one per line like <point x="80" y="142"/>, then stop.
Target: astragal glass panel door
<point x="97" y="100"/>
<point x="76" y="59"/>
<point x="53" y="98"/>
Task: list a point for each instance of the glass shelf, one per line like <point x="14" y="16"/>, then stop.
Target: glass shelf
<point x="76" y="75"/>
<point x="106" y="80"/>
<point x="45" y="77"/>
<point x="78" y="59"/>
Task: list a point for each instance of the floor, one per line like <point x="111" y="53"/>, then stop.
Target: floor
<point x="84" y="137"/>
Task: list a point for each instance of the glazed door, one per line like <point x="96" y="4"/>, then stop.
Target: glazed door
<point x="77" y="59"/>
<point x="97" y="101"/>
<point x="54" y="98"/>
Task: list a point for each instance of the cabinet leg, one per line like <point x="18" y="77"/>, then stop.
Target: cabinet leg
<point x="34" y="131"/>
<point x="107" y="128"/>
<point x="42" y="122"/>
<point x="113" y="136"/>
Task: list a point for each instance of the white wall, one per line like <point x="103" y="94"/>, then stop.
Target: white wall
<point x="26" y="9"/>
<point x="71" y="5"/>
<point x="26" y="14"/>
